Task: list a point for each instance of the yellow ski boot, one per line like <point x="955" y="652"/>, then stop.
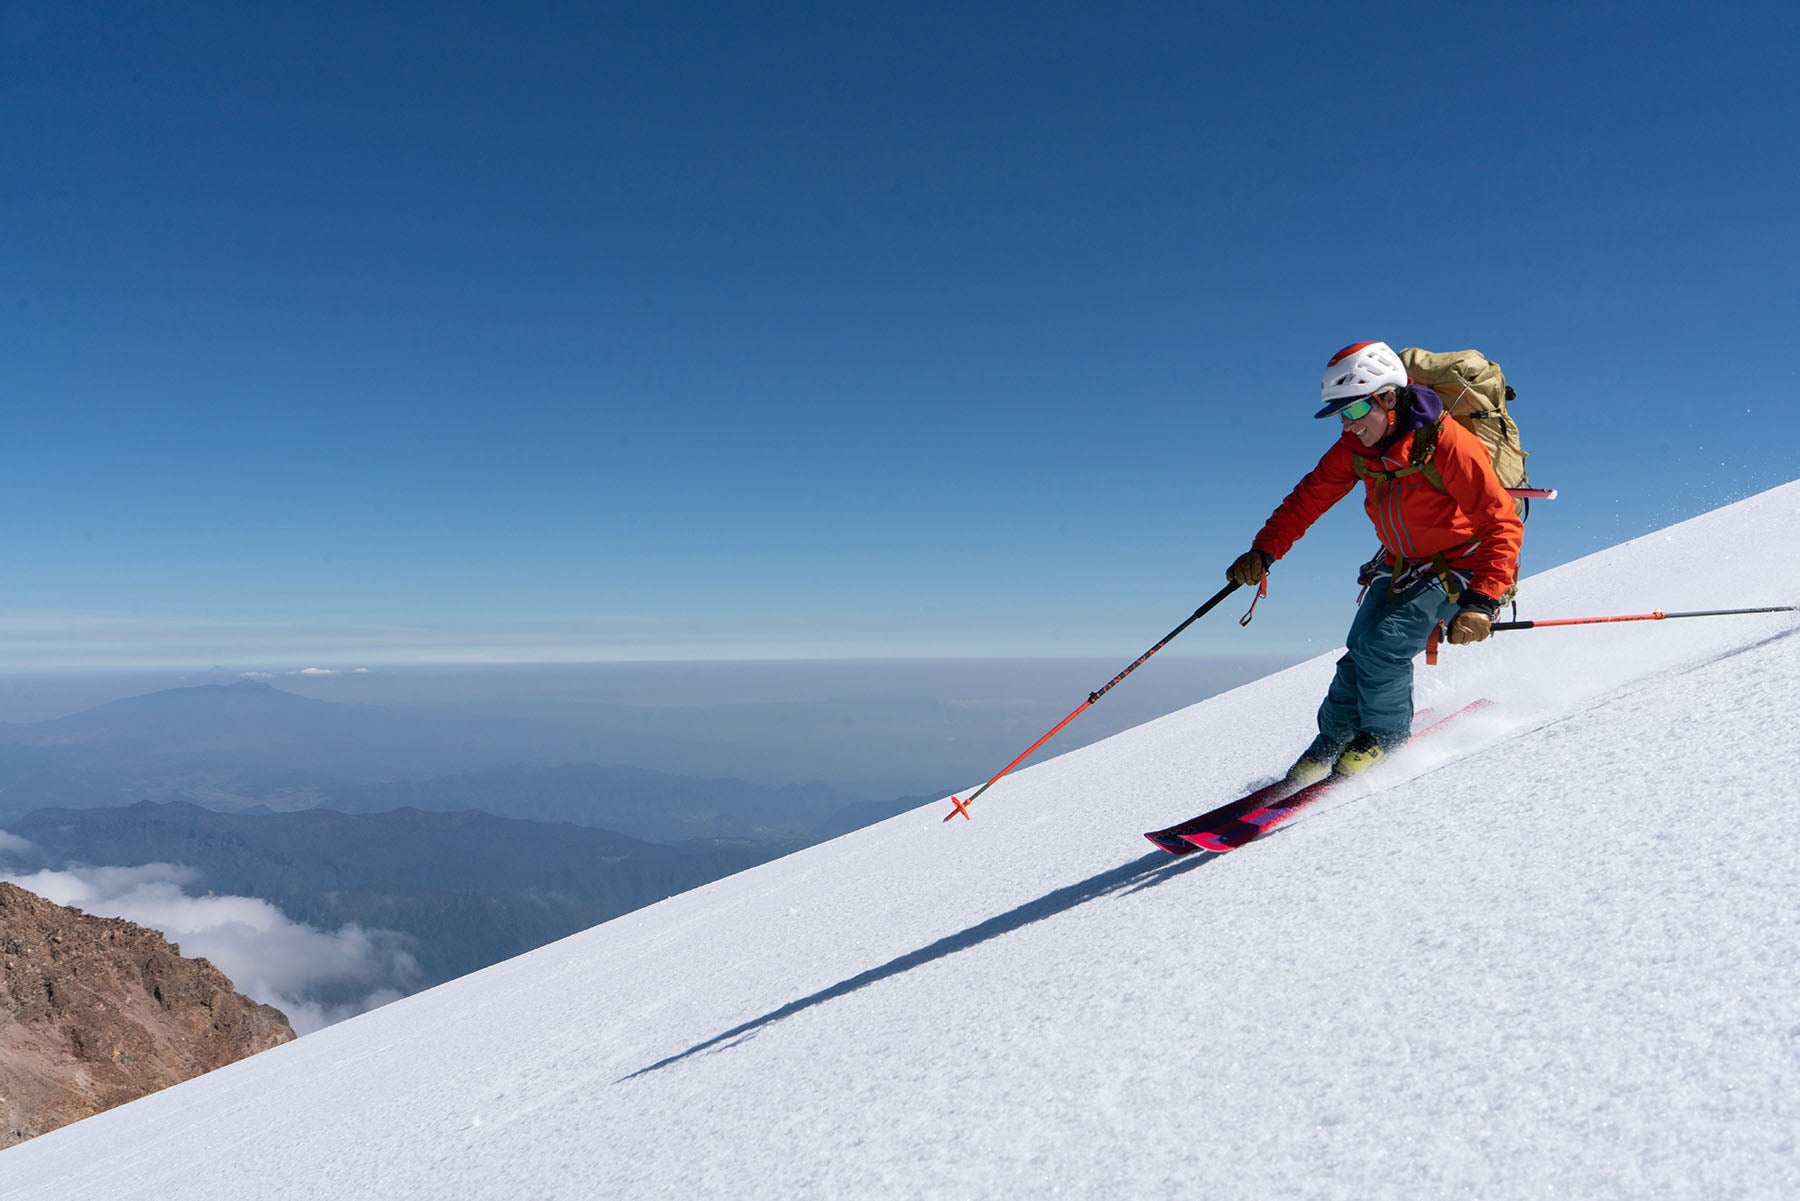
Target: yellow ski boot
<point x="1362" y="754"/>
<point x="1314" y="763"/>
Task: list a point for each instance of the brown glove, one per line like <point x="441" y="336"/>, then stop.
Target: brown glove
<point x="1248" y="568"/>
<point x="1470" y="625"/>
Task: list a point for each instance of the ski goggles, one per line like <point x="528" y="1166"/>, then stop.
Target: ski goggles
<point x="1356" y="410"/>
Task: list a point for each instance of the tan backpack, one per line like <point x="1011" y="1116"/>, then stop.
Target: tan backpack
<point x="1474" y="392"/>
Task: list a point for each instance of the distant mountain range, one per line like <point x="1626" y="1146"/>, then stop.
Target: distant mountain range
<point x="249" y="747"/>
<point x="468" y="889"/>
<point x="645" y="804"/>
<point x="256" y="728"/>
<point x="476" y="839"/>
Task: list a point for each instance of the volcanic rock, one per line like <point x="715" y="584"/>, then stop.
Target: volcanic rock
<point x="97" y="1011"/>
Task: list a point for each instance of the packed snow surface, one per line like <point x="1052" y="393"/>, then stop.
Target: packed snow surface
<point x="1554" y="952"/>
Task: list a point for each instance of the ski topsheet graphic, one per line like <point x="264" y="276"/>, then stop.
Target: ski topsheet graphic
<point x="1237" y="822"/>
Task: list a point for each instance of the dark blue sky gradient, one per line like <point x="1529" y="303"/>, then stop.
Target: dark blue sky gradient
<point x="690" y="330"/>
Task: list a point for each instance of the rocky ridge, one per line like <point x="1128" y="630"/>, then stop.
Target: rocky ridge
<point x="95" y="1012"/>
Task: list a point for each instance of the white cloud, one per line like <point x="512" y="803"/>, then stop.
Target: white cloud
<point x="268" y="957"/>
<point x="12" y="842"/>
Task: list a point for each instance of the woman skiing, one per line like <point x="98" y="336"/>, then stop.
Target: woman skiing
<point x="1450" y="538"/>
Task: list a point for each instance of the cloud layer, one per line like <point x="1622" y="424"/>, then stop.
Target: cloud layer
<point x="270" y="958"/>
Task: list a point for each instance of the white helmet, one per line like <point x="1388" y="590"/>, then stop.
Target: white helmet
<point x="1358" y="371"/>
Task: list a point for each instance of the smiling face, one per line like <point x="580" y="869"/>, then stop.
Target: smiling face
<point x="1374" y="421"/>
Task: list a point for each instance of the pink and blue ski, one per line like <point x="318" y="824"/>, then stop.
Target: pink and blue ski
<point x="1232" y="825"/>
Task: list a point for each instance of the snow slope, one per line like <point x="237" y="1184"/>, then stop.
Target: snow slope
<point x="1553" y="954"/>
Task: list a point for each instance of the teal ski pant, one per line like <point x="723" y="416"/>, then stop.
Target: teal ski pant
<point x="1372" y="691"/>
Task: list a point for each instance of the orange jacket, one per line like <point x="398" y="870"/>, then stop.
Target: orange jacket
<point x="1473" y="523"/>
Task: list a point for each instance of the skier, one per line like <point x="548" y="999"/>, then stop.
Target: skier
<point x="1450" y="539"/>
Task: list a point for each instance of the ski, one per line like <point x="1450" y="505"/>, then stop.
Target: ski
<point x="1235" y="832"/>
<point x="1231" y="825"/>
<point x="1170" y="839"/>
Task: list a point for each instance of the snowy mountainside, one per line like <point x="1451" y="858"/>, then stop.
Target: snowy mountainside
<point x="1549" y="954"/>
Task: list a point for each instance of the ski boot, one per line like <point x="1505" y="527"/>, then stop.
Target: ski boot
<point x="1314" y="763"/>
<point x="1363" y="753"/>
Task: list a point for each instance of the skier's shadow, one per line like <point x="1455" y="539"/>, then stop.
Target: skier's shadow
<point x="1146" y="872"/>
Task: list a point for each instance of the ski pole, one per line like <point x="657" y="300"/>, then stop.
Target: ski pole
<point x="962" y="807"/>
<point x="1658" y="615"/>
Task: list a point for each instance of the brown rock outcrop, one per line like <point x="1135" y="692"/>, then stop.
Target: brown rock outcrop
<point x="96" y="1011"/>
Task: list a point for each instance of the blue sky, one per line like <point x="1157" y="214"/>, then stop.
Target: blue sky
<point x="399" y="332"/>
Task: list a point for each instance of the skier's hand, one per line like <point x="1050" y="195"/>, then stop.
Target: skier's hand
<point x="1470" y="625"/>
<point x="1248" y="568"/>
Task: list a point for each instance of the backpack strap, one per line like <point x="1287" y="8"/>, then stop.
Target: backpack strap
<point x="1408" y="572"/>
<point x="1424" y="447"/>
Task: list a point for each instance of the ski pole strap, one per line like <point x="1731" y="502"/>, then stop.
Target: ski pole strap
<point x="1262" y="590"/>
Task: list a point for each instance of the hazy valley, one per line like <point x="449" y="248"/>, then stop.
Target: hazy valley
<point x="332" y="855"/>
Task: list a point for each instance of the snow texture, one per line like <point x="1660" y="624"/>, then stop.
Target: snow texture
<point x="1551" y="953"/>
